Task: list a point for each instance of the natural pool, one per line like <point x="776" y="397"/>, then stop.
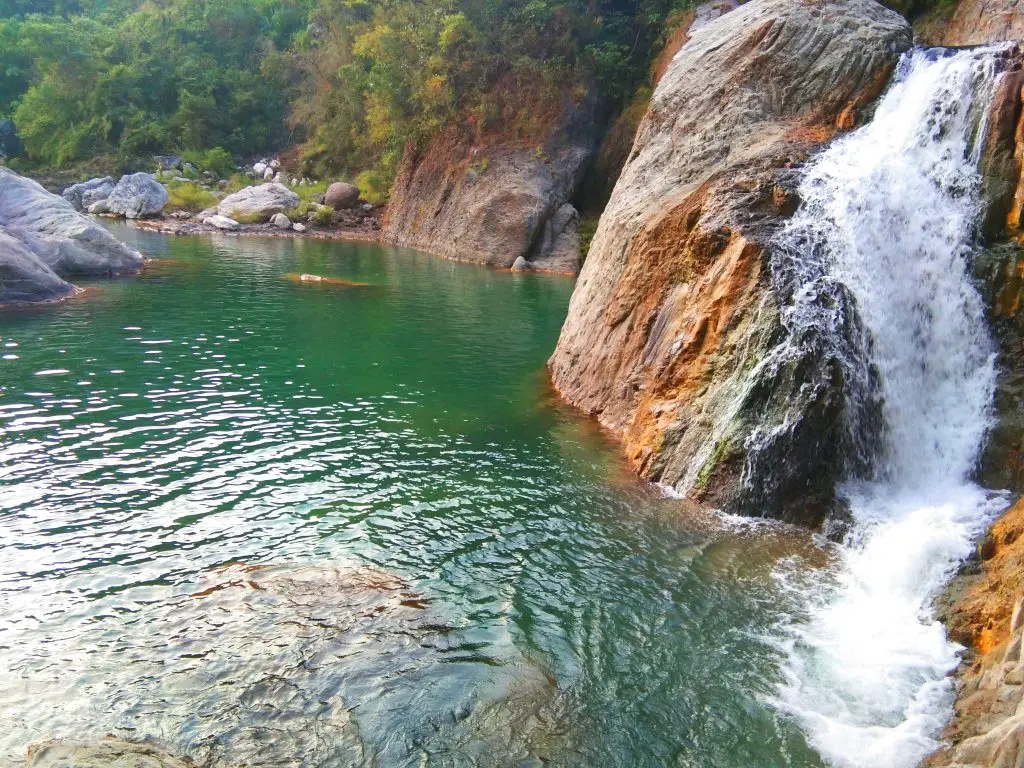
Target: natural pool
<point x="458" y="570"/>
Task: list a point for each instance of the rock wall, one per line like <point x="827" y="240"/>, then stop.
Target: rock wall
<point x="977" y="22"/>
<point x="983" y="609"/>
<point x="676" y="310"/>
<point x="492" y="204"/>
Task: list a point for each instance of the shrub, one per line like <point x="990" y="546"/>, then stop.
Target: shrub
<point x="372" y="187"/>
<point x="182" y="196"/>
<point x="218" y="160"/>
<point x="324" y="216"/>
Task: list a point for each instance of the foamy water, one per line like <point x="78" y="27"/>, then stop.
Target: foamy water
<point x="890" y="211"/>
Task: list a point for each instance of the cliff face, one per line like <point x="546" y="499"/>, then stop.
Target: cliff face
<point x="494" y="204"/>
<point x="671" y="330"/>
<point x="977" y="22"/>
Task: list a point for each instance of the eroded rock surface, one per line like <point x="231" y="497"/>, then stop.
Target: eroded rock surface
<point x="45" y="239"/>
<point x="977" y="22"/>
<point x="108" y="753"/>
<point x="490" y="204"/>
<point x="676" y="306"/>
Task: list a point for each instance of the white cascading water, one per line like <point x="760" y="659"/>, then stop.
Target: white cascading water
<point x="892" y="210"/>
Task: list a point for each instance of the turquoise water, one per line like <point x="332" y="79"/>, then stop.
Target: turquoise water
<point x="274" y="523"/>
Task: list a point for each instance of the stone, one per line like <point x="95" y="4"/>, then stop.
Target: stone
<point x="274" y="164"/>
<point x="44" y="239"/>
<point x="676" y="302"/>
<point x="299" y="227"/>
<point x="268" y="173"/>
<point x="980" y="22"/>
<point x="188" y="168"/>
<point x="281" y="221"/>
<point x="258" y="204"/>
<point x="445" y="202"/>
<point x="521" y="265"/>
<point x="137" y="196"/>
<point x="259" y="168"/>
<point x="82" y="195"/>
<point x="100" y="206"/>
<point x="558" y="248"/>
<point x="10" y="144"/>
<point x="222" y="222"/>
<point x="341" y="195"/>
<point x="168" y="162"/>
<point x="108" y="753"/>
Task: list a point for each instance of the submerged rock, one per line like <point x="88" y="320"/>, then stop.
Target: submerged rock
<point x="85" y="194"/>
<point x="108" y="753"/>
<point x="258" y="204"/>
<point x="677" y="304"/>
<point x="55" y="240"/>
<point x="137" y="196"/>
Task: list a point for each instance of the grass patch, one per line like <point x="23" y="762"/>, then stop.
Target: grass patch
<point x="183" y="196"/>
<point x="588" y="228"/>
<point x="374" y="190"/>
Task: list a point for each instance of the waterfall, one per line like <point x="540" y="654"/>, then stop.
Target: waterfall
<point x="889" y="214"/>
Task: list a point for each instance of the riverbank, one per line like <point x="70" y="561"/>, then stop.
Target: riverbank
<point x="366" y="229"/>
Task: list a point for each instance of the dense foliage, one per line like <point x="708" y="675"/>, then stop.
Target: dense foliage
<point x="353" y="81"/>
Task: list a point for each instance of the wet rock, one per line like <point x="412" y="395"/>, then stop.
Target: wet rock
<point x="258" y="204"/>
<point x="82" y="195"/>
<point x="10" y="144"/>
<point x="281" y="221"/>
<point x="137" y="196"/>
<point x="677" y="304"/>
<point x="340" y="195"/>
<point x="55" y="240"/>
<point x="108" y="753"/>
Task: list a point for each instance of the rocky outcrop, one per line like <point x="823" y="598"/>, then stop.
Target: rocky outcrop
<point x="490" y="203"/>
<point x="258" y="204"/>
<point x="136" y="196"/>
<point x="83" y="195"/>
<point x="107" y="753"/>
<point x="983" y="609"/>
<point x="673" y="322"/>
<point x="55" y="240"/>
<point x="977" y="22"/>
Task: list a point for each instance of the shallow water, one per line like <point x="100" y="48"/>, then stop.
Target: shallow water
<point x="453" y="569"/>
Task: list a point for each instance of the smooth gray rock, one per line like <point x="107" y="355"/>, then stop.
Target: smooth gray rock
<point x="520" y="265"/>
<point x="258" y="204"/>
<point x="82" y="195"/>
<point x="10" y="144"/>
<point x="281" y="221"/>
<point x="45" y="239"/>
<point x="341" y="195"/>
<point x="100" y="206"/>
<point x="137" y="196"/>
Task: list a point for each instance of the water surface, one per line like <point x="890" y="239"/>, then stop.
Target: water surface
<point x="285" y="524"/>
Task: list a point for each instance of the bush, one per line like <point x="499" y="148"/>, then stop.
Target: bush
<point x="182" y="196"/>
<point x="372" y="187"/>
<point x="324" y="216"/>
<point x="218" y="160"/>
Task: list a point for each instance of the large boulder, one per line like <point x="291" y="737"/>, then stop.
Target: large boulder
<point x="258" y="204"/>
<point x="677" y="305"/>
<point x="44" y="237"/>
<point x="83" y="195"/>
<point x="10" y="144"/>
<point x="489" y="204"/>
<point x="341" y="195"/>
<point x="137" y="196"/>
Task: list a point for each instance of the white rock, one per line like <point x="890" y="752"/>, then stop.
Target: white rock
<point x="268" y="173"/>
<point x="275" y="163"/>
<point x="258" y="203"/>
<point x="299" y="227"/>
<point x="281" y="221"/>
<point x="259" y="168"/>
<point x="136" y="196"/>
<point x="81" y="196"/>
<point x="54" y="240"/>
<point x="222" y="222"/>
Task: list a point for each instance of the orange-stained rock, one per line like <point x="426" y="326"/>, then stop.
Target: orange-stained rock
<point x="976" y="22"/>
<point x="676" y="306"/>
